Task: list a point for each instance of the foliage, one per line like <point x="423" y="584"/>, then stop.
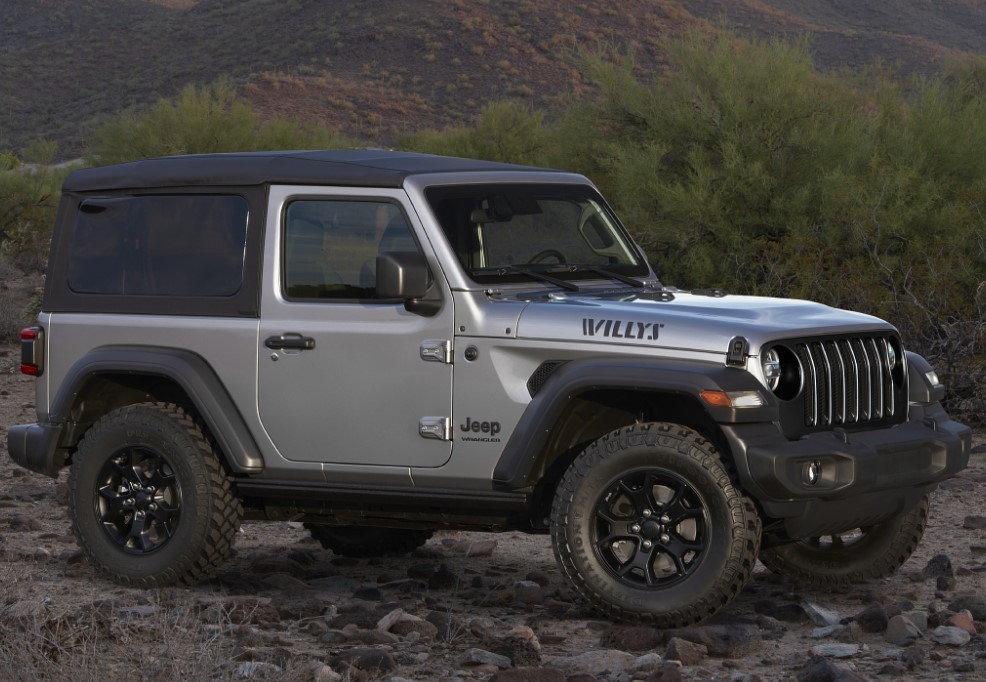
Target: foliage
<point x="742" y="166"/>
<point x="504" y="131"/>
<point x="29" y="195"/>
<point x="199" y="121"/>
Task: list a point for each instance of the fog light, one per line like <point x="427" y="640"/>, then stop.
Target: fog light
<point x="811" y="473"/>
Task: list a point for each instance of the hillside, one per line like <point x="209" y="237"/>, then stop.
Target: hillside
<point x="379" y="67"/>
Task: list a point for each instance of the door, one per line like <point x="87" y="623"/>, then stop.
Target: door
<point x="343" y="376"/>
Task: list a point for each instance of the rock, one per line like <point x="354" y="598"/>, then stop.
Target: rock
<point x="367" y="659"/>
<point x="975" y="604"/>
<point x="912" y="657"/>
<point x="836" y="650"/>
<point x="939" y="566"/>
<point x="647" y="663"/>
<point x="668" y="672"/>
<point x="409" y="623"/>
<point x="963" y="619"/>
<point x="529" y="675"/>
<point x="269" y="565"/>
<point x="873" y="619"/>
<point x="604" y="662"/>
<point x="949" y="635"/>
<point x="689" y="653"/>
<point x="389" y="620"/>
<point x="474" y="656"/>
<point x="477" y="548"/>
<point x="141" y="611"/>
<point x="528" y="592"/>
<point x="944" y="584"/>
<point x="723" y="641"/>
<point x="443" y="579"/>
<point x="918" y="617"/>
<point x="901" y="631"/>
<point x="974" y="522"/>
<point x="827" y="631"/>
<point x="788" y="613"/>
<point x="634" y="638"/>
<point x="323" y="673"/>
<point x="257" y="669"/>
<point x="819" y="615"/>
<point x="819" y="669"/>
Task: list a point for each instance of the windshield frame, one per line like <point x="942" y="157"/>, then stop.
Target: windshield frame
<point x="515" y="273"/>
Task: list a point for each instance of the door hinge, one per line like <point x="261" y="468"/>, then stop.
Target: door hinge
<point x="437" y="350"/>
<point x="437" y="428"/>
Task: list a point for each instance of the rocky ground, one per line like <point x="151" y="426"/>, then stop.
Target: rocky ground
<point x="466" y="606"/>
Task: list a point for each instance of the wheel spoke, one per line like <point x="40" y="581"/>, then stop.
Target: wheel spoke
<point x="640" y="562"/>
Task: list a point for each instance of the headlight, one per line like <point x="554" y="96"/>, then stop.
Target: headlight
<point x="781" y="371"/>
<point x="771" y="364"/>
<point x="892" y="358"/>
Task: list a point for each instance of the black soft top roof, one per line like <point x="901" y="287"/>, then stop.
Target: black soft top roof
<point x="349" y="168"/>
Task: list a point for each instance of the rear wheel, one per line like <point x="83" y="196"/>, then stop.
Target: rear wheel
<point x="149" y="501"/>
<point x="858" y="554"/>
<point x="368" y="541"/>
<point x="648" y="525"/>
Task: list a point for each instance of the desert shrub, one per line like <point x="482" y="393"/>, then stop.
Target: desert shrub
<point x="201" y="120"/>
<point x="743" y="167"/>
<point x="29" y="193"/>
<point x="504" y="131"/>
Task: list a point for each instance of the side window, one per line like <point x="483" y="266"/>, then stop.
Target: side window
<point x="330" y="247"/>
<point x="159" y="245"/>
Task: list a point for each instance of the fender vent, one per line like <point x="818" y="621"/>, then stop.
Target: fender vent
<point x="541" y="375"/>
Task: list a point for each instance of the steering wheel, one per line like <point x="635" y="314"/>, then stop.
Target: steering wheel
<point x="547" y="253"/>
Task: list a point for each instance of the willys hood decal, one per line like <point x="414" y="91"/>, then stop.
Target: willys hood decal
<point x="689" y="321"/>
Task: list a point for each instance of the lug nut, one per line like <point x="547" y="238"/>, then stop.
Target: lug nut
<point x="648" y="544"/>
<point x="665" y="519"/>
<point x="665" y="538"/>
<point x="635" y="528"/>
<point x="647" y="512"/>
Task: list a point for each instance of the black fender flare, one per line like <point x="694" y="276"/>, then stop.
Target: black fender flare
<point x="521" y="454"/>
<point x="187" y="369"/>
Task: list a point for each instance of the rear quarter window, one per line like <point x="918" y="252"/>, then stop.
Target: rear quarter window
<point x="160" y="245"/>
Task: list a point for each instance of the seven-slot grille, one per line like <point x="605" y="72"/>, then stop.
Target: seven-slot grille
<point x="847" y="381"/>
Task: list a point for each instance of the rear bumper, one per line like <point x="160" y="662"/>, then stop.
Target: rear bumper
<point x="35" y="447"/>
<point x="862" y="476"/>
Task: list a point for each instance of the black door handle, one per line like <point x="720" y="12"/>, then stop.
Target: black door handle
<point x="290" y="341"/>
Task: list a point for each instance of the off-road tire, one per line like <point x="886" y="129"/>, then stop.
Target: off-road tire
<point x="368" y="541"/>
<point x="149" y="500"/>
<point x="664" y="484"/>
<point x="844" y="558"/>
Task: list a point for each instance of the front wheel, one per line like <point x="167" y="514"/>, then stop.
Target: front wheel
<point x="648" y="526"/>
<point x="149" y="500"/>
<point x="840" y="559"/>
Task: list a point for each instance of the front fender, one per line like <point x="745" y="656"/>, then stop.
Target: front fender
<point x="521" y="456"/>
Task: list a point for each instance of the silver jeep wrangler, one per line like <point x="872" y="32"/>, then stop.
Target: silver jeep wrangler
<point x="383" y="344"/>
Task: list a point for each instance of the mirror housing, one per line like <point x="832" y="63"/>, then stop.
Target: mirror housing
<point x="402" y="275"/>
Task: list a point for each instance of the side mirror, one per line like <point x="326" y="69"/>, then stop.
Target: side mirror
<point x="402" y="275"/>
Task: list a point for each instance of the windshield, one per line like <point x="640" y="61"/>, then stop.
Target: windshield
<point x="499" y="232"/>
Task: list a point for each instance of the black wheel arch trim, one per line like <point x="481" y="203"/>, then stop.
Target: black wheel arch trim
<point x="521" y="456"/>
<point x="195" y="377"/>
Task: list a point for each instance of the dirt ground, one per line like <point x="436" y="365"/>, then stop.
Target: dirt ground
<point x="286" y="609"/>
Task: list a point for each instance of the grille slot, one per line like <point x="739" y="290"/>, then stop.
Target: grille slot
<point x="846" y="381"/>
<point x="541" y="374"/>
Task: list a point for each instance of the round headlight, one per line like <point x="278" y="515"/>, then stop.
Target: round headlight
<point x="771" y="364"/>
<point x="892" y="358"/>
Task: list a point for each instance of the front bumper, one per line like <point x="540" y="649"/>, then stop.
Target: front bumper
<point x="862" y="477"/>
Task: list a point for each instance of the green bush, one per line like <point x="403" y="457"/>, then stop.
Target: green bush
<point x="202" y="120"/>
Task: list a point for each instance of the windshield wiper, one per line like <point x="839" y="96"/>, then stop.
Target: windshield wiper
<point x="533" y="274"/>
<point x="609" y="273"/>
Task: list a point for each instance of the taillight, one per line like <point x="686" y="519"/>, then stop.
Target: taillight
<point x="33" y="351"/>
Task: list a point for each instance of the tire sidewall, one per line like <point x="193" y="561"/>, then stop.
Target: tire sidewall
<point x="141" y="426"/>
<point x="619" y="458"/>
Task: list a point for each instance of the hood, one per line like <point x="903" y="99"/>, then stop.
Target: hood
<point x="689" y="321"/>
